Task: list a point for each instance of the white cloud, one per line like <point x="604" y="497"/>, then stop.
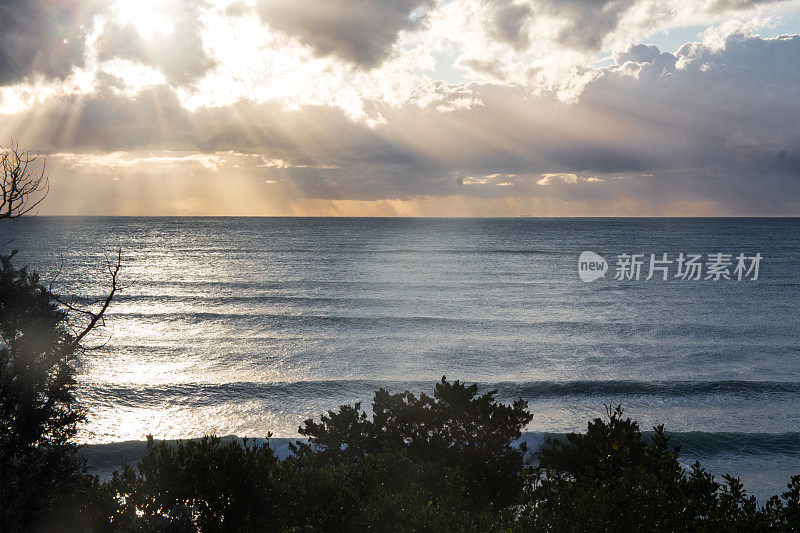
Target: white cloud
<point x="497" y="180"/>
<point x="565" y="177"/>
<point x="116" y="160"/>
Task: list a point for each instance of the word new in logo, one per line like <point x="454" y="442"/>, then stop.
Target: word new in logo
<point x="591" y="266"/>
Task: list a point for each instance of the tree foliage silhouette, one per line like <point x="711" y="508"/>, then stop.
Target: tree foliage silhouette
<point x="42" y="337"/>
<point x="611" y="479"/>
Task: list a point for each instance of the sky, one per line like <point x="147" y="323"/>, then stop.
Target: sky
<point x="407" y="107"/>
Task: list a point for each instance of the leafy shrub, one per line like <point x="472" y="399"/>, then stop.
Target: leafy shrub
<point x="218" y="486"/>
<point x="443" y="463"/>
<point x="610" y="479"/>
<point x="456" y="428"/>
<point x="39" y="415"/>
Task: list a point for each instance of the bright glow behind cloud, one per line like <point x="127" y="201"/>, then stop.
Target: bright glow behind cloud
<point x="147" y="16"/>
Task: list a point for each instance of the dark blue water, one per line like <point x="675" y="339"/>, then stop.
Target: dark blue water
<point x="243" y="326"/>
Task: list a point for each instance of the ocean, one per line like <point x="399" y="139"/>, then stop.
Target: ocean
<point x="244" y="326"/>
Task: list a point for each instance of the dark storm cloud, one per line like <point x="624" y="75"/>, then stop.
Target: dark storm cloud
<point x="361" y="31"/>
<point x="43" y="37"/>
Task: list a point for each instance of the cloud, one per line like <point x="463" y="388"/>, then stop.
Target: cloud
<point x="51" y="39"/>
<point x="644" y="53"/>
<point x="553" y="177"/>
<point x="175" y="49"/>
<point x="444" y="97"/>
<point x="43" y="37"/>
<point x="712" y="124"/>
<point x="360" y="31"/>
<point x="118" y="160"/>
<point x="585" y="23"/>
<point x="511" y="22"/>
<point x="546" y="45"/>
<point x="496" y="180"/>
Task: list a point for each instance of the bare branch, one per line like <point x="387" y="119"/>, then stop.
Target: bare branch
<point x="92" y="319"/>
<point x="23" y="181"/>
<point x="55" y="278"/>
<point x="98" y="317"/>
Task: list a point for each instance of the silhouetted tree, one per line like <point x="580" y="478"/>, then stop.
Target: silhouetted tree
<point x="445" y="462"/>
<point x="610" y="479"/>
<point x="23" y="183"/>
<point x="39" y="414"/>
<point x="41" y="337"/>
<point x="454" y="428"/>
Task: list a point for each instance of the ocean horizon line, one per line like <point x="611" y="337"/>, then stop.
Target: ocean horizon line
<point x="433" y="217"/>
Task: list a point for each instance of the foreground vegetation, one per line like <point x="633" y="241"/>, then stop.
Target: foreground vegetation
<point x="440" y="463"/>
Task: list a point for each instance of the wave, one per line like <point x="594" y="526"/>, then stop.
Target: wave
<point x="201" y="394"/>
<point x="695" y="443"/>
<point x="105" y="458"/>
<point x="208" y="250"/>
<point x="572" y="327"/>
<point x="215" y="299"/>
<point x="313" y="318"/>
<point x="701" y="444"/>
<point x="654" y="388"/>
<point x="301" y="283"/>
<point x="704" y="444"/>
